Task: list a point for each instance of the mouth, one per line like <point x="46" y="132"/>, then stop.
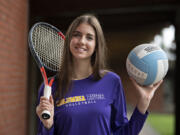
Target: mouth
<point x="79" y="49"/>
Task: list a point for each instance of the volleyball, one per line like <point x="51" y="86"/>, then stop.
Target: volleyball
<point x="147" y="64"/>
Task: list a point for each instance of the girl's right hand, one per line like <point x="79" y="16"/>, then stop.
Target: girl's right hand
<point x="48" y="105"/>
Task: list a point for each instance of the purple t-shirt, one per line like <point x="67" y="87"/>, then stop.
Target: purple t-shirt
<point x="94" y="108"/>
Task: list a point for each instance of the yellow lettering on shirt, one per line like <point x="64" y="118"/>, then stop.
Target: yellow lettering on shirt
<point x="71" y="100"/>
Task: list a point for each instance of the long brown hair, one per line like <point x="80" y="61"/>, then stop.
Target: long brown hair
<point x="98" y="59"/>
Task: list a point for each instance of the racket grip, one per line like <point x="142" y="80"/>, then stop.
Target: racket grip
<point x="47" y="93"/>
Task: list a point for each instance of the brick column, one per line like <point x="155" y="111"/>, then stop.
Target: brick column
<point x="13" y="67"/>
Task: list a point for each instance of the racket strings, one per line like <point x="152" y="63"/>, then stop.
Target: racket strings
<point x="49" y="46"/>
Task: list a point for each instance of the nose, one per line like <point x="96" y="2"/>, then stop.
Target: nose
<point x="82" y="40"/>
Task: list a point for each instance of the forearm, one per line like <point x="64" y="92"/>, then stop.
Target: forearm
<point x="134" y="125"/>
<point x="48" y="125"/>
<point x="42" y="130"/>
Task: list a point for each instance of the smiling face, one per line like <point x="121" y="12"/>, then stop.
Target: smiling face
<point x="83" y="42"/>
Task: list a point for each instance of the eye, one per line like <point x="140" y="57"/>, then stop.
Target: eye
<point x="76" y="34"/>
<point x="89" y="38"/>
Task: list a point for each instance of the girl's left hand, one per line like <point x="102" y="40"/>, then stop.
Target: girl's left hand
<point x="146" y="93"/>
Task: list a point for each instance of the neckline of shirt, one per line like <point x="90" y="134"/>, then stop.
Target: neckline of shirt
<point x="85" y="78"/>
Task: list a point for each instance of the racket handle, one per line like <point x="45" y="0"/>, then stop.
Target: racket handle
<point x="47" y="93"/>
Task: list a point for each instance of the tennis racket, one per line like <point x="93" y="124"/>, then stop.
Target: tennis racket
<point x="46" y="44"/>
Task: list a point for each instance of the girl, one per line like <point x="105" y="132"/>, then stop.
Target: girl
<point x="86" y="98"/>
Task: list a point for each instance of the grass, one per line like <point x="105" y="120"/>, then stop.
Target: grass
<point x="162" y="123"/>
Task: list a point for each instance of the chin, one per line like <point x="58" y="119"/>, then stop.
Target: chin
<point x="79" y="57"/>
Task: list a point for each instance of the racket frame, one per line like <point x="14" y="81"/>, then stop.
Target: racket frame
<point x="47" y="89"/>
<point x="32" y="49"/>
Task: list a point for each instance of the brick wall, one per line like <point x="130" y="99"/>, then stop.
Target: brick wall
<point x="13" y="67"/>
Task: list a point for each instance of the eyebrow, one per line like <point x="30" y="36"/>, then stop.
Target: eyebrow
<point x="89" y="34"/>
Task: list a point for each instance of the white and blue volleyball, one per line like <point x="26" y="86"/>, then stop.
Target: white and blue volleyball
<point x="147" y="64"/>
